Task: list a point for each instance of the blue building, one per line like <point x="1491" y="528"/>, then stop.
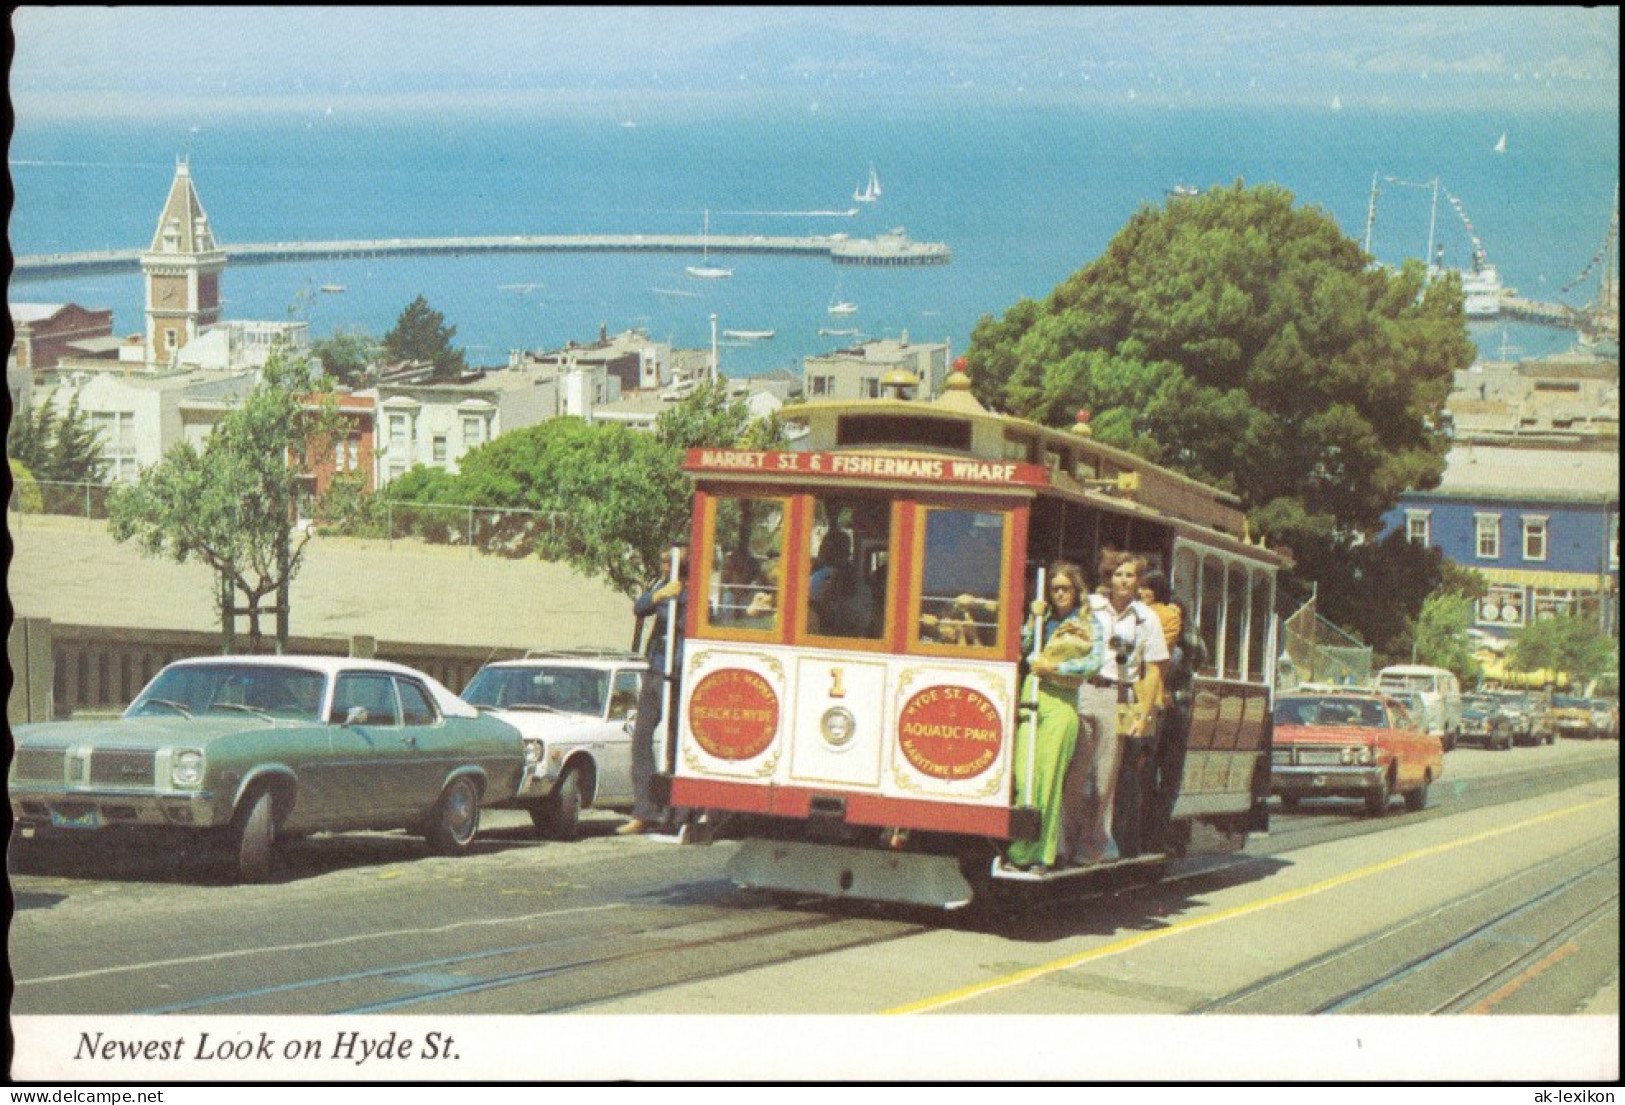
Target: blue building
<point x="1540" y="524"/>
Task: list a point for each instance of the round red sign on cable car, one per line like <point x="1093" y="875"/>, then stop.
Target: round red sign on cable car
<point x="733" y="714"/>
<point x="950" y="732"/>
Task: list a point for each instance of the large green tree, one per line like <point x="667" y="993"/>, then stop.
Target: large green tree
<point x="233" y="503"/>
<point x="1250" y="344"/>
<point x="421" y="334"/>
<point x="606" y="499"/>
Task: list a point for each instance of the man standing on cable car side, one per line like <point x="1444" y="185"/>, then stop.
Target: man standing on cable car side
<point x="1114" y="706"/>
<point x="657" y="691"/>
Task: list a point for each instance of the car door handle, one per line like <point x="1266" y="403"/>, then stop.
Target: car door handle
<point x="410" y="741"/>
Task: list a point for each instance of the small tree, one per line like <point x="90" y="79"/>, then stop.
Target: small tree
<point x="421" y="334"/>
<point x="1441" y="636"/>
<point x="348" y="356"/>
<point x="233" y="505"/>
<point x="1571" y="644"/>
<point x="56" y="443"/>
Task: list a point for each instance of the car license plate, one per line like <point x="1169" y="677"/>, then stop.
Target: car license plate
<point x="76" y="818"/>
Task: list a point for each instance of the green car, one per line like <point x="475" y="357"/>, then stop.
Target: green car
<point x="250" y="748"/>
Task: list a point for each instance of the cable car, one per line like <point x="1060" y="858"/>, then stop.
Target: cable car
<point x="850" y="693"/>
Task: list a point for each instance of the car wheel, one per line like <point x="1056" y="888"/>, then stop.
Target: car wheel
<point x="455" y="819"/>
<point x="253" y="834"/>
<point x="560" y="815"/>
<point x="1376" y="802"/>
<point x="1417" y="799"/>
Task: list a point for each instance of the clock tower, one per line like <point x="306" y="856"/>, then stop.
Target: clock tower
<point x="182" y="273"/>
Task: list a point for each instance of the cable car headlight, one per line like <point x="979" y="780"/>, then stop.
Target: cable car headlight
<point x="838" y="726"/>
<point x="533" y="751"/>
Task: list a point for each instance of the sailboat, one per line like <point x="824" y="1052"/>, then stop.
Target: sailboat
<point x="1501" y="143"/>
<point x="706" y="270"/>
<point x="839" y="306"/>
<point x="871" y="191"/>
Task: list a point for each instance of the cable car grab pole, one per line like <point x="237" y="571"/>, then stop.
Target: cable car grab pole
<point x="1032" y="706"/>
<point x="668" y="747"/>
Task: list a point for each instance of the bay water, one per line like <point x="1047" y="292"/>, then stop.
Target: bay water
<point x="1024" y="192"/>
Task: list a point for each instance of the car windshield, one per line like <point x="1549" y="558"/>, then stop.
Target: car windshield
<point x="540" y="686"/>
<point x="1480" y="702"/>
<point x="192" y="689"/>
<point x="1567" y="702"/>
<point x="1424" y="683"/>
<point x="1360" y="713"/>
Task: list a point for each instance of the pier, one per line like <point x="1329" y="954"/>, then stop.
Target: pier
<point x="893" y="248"/>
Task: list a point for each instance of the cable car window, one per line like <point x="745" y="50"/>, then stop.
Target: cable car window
<point x="1183" y="581"/>
<point x="746" y="556"/>
<point x="1235" y="621"/>
<point x="1259" y="630"/>
<point x="847" y="558"/>
<point x="960" y="578"/>
<point x="1212" y="611"/>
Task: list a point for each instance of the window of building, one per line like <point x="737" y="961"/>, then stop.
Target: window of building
<point x="869" y="387"/>
<point x="1552" y="602"/>
<point x="117" y="430"/>
<point x="439" y="448"/>
<point x="473" y="430"/>
<point x="399" y="433"/>
<point x="1502" y="604"/>
<point x="1613" y="542"/>
<point x="354" y="451"/>
<point x="820" y="385"/>
<point x="1534" y="537"/>
<point x="1489" y="536"/>
<point x="1417" y="530"/>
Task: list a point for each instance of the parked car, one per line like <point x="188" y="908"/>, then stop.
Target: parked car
<point x="1530" y="723"/>
<point x="1485" y="721"/>
<point x="1440" y="695"/>
<point x="252" y="748"/>
<point x="1571" y="716"/>
<point x="1609" y="710"/>
<point x="1604" y="719"/>
<point x="579" y="708"/>
<point x="1352" y="746"/>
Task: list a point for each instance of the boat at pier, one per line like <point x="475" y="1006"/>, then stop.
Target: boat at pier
<point x="749" y="335"/>
<point x="705" y="270"/>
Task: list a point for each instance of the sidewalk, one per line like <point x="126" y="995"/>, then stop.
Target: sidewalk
<point x="71" y="571"/>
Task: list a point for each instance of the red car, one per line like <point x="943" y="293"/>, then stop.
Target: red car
<point x="1351" y="746"/>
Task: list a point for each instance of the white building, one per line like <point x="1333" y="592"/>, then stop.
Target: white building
<point x="141" y="415"/>
<point x="857" y="372"/>
<point x="435" y="424"/>
<point x="230" y="346"/>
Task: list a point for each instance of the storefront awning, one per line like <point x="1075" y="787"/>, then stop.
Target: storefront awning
<point x="1557" y="581"/>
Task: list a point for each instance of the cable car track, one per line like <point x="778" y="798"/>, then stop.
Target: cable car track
<point x="1490" y="949"/>
<point x="437" y="979"/>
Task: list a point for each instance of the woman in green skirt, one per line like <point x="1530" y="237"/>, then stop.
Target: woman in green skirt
<point x="1069" y="654"/>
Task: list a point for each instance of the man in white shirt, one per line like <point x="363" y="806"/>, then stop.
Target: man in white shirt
<point x="1113" y="706"/>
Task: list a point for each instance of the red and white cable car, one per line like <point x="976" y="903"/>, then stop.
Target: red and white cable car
<point x="849" y="696"/>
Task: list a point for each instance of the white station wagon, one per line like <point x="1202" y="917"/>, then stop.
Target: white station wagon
<point x="580" y="706"/>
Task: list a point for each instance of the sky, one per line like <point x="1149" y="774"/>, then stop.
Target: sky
<point x="91" y="60"/>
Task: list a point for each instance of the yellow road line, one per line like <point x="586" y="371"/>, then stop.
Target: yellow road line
<point x="1019" y="978"/>
<point x="1526" y="977"/>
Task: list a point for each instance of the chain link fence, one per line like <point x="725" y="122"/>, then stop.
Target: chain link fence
<point x="511" y="532"/>
<point x="1316" y="651"/>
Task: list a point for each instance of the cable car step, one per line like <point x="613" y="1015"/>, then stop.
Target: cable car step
<point x="1003" y="870"/>
<point x="834" y="871"/>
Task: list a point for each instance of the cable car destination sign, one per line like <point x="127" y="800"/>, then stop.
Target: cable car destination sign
<point x="869" y="466"/>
